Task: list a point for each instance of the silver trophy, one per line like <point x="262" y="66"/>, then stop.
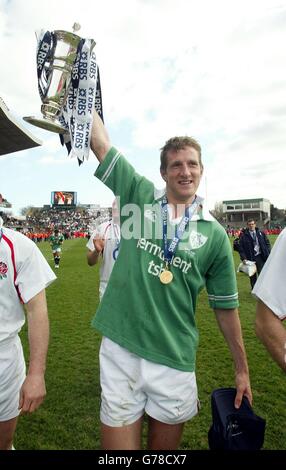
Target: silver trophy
<point x="55" y="62"/>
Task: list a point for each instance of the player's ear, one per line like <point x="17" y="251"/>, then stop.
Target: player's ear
<point x="163" y="174"/>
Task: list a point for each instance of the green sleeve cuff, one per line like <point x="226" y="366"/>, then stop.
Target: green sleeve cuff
<point x="103" y="166"/>
<point x="226" y="305"/>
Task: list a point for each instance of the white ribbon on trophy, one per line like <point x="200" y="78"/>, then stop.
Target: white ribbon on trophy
<point x="84" y="95"/>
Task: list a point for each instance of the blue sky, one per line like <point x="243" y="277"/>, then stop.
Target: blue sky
<point x="212" y="70"/>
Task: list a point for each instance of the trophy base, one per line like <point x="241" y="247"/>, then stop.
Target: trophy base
<point x="46" y="124"/>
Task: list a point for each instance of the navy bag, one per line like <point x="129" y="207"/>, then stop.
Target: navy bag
<point x="234" y="429"/>
<point x="235" y="244"/>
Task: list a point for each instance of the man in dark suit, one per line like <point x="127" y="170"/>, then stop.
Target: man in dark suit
<point x="254" y="246"/>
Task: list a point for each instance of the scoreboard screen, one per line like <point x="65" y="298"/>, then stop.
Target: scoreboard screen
<point x="63" y="198"/>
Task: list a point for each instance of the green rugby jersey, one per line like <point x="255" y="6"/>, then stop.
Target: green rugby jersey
<point x="153" y="320"/>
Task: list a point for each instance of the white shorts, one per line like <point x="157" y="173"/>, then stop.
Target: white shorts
<point x="131" y="386"/>
<point x="57" y="250"/>
<point x="12" y="376"/>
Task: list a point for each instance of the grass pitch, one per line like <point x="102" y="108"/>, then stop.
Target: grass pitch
<point x="69" y="417"/>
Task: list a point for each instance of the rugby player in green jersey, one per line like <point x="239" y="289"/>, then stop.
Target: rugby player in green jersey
<point x="56" y="241"/>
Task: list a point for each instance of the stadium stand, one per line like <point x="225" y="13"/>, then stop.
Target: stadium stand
<point x="13" y="136"/>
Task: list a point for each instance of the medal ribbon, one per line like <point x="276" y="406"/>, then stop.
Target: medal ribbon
<point x="169" y="250"/>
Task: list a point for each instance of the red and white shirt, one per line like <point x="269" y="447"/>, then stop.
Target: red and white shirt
<point x="24" y="272"/>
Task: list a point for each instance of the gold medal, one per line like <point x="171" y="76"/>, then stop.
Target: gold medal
<point x="166" y="276"/>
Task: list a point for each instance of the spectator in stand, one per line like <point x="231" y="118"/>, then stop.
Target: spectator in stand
<point x="254" y="246"/>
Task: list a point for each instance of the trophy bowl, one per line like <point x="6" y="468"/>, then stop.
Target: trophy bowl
<point x="57" y="67"/>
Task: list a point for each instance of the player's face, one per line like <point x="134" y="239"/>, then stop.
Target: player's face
<point x="182" y="175"/>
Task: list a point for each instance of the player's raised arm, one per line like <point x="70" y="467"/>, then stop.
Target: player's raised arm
<point x="99" y="141"/>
